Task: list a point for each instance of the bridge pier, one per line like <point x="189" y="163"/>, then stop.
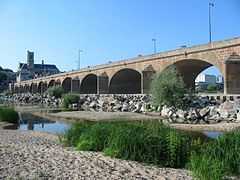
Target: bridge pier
<point x="75" y="85"/>
<point x="232" y="75"/>
<point x="102" y="84"/>
<point x="147" y="77"/>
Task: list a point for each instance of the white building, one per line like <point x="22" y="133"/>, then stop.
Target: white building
<point x="206" y="79"/>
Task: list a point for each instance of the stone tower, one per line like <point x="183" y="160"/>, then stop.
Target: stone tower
<point x="30" y="60"/>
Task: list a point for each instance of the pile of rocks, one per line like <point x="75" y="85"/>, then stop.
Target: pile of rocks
<point x="228" y="111"/>
<point x="200" y="110"/>
<point x="34" y="99"/>
<point x="115" y="103"/>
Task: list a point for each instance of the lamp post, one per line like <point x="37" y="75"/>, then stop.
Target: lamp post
<point x="79" y="58"/>
<point x="210" y="22"/>
<point x="154" y="45"/>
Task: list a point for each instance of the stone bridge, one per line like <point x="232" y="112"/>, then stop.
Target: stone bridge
<point x="133" y="76"/>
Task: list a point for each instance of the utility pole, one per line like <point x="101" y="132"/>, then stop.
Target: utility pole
<point x="210" y="21"/>
<point x="79" y="58"/>
<point x="154" y="45"/>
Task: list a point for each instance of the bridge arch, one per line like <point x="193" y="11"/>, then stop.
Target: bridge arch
<point x="126" y="81"/>
<point x="67" y="84"/>
<point x="89" y="84"/>
<point x="42" y="87"/>
<point x="51" y="83"/>
<point x="189" y="69"/>
<point x="58" y="82"/>
<point x="76" y="84"/>
<point x="26" y="88"/>
<point x="33" y="88"/>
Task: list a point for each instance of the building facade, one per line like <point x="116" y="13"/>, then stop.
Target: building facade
<point x="29" y="70"/>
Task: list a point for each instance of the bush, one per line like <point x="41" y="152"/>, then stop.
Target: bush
<point x="211" y="88"/>
<point x="168" y="88"/>
<point x="69" y="99"/>
<point x="8" y="115"/>
<point x="55" y="91"/>
<point x="149" y="142"/>
<point x="218" y="159"/>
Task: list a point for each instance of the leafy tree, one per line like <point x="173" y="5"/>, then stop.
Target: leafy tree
<point x="56" y="91"/>
<point x="211" y="88"/>
<point x="69" y="99"/>
<point x="3" y="76"/>
<point x="168" y="88"/>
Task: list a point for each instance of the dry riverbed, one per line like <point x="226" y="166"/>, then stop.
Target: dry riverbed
<point x="34" y="155"/>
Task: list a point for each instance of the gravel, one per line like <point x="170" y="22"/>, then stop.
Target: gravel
<point x="35" y="155"/>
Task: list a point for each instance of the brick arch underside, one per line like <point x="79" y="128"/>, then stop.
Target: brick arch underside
<point x="89" y="84"/>
<point x="125" y="81"/>
<point x="189" y="70"/>
<point x="67" y="84"/>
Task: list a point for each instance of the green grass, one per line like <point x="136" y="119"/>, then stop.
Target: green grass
<point x="218" y="159"/>
<point x="8" y="115"/>
<point x="148" y="142"/>
<point x="154" y="143"/>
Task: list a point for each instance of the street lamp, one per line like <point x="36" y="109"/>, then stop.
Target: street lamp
<point x="154" y="45"/>
<point x="79" y="58"/>
<point x="210" y="21"/>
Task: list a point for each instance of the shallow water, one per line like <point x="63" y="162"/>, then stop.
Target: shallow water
<point x="212" y="134"/>
<point x="34" y="123"/>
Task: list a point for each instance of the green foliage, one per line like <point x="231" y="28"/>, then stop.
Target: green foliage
<point x="168" y="88"/>
<point x="55" y="91"/>
<point x="218" y="159"/>
<point x="71" y="136"/>
<point x="205" y="168"/>
<point x="96" y="138"/>
<point x="8" y="115"/>
<point x="211" y="88"/>
<point x="69" y="99"/>
<point x="3" y="76"/>
<point x="149" y="142"/>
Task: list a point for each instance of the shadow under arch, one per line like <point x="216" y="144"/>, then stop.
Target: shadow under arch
<point x="125" y="81"/>
<point x="67" y="84"/>
<point x="42" y="87"/>
<point x="89" y="84"/>
<point x="51" y="83"/>
<point x="189" y="69"/>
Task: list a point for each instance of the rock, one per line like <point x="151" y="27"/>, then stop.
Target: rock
<point x="238" y="117"/>
<point x="125" y="107"/>
<point x="165" y="111"/>
<point x="93" y="104"/>
<point x="227" y="110"/>
<point x="181" y="114"/>
<point x="204" y="111"/>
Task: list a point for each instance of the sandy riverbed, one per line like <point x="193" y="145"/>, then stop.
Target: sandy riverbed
<point x="34" y="155"/>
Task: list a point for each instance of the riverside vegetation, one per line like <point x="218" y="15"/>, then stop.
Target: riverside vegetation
<point x="8" y="115"/>
<point x="155" y="143"/>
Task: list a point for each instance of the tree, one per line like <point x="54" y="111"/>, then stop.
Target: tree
<point x="212" y="88"/>
<point x="56" y="91"/>
<point x="168" y="88"/>
<point x="3" y="76"/>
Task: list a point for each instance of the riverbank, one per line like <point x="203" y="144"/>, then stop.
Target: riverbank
<point x="76" y="116"/>
<point x="34" y="155"/>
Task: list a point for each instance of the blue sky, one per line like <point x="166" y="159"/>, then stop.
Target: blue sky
<point x="107" y="30"/>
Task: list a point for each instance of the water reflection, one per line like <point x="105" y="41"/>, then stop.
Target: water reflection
<point x="30" y="122"/>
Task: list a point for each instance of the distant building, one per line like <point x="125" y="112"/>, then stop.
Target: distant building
<point x="219" y="79"/>
<point x="30" y="70"/>
<point x="205" y="79"/>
